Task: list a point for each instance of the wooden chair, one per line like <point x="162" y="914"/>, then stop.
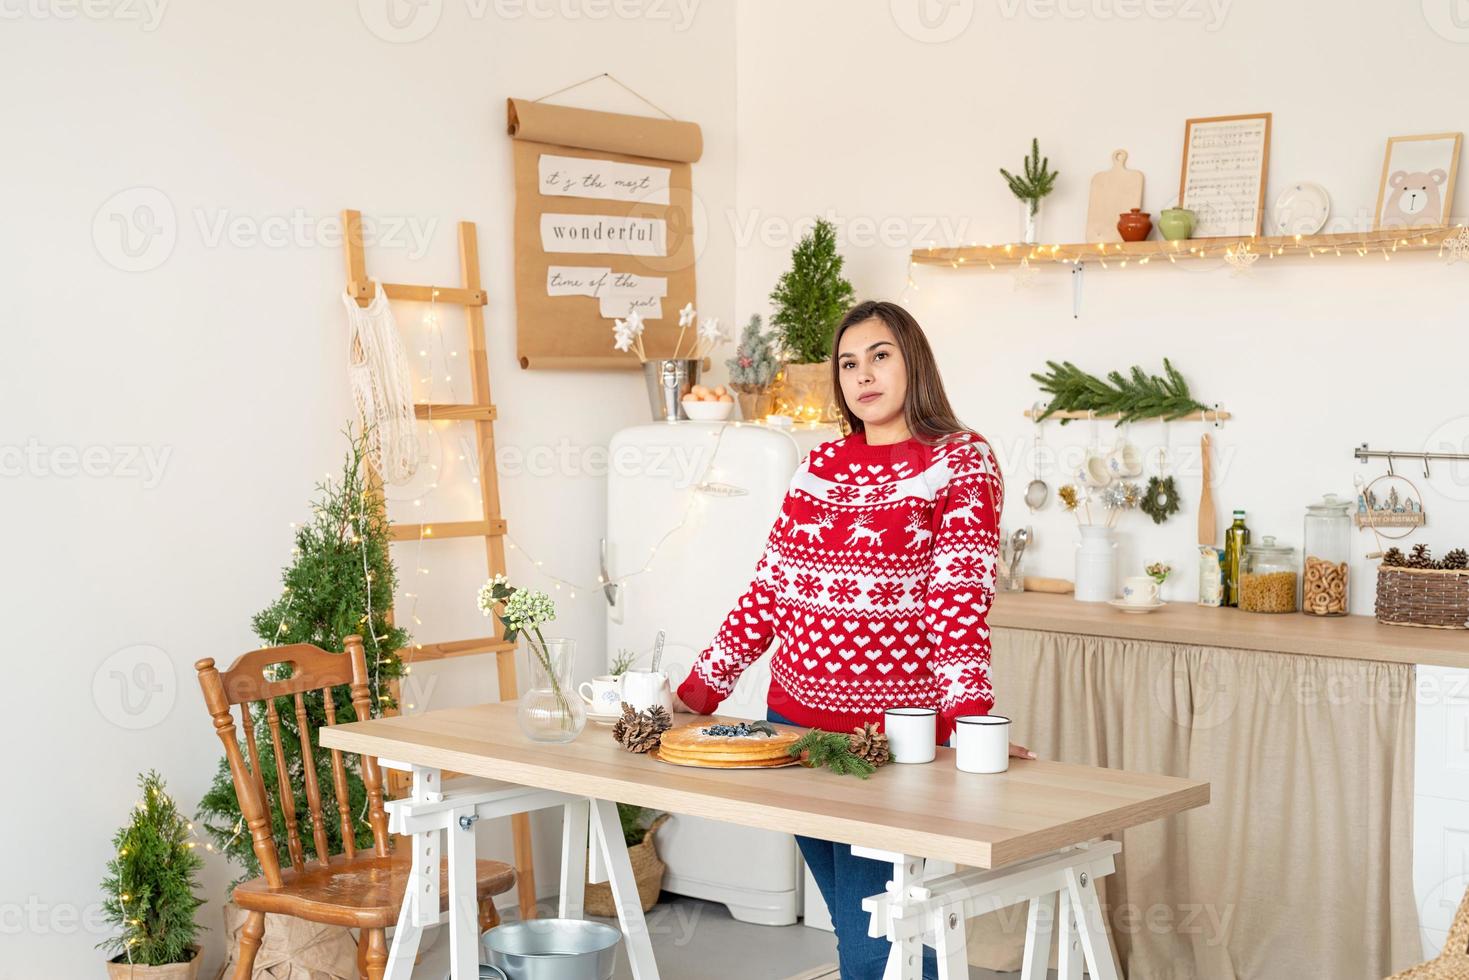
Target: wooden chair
<point x="1452" y="963"/>
<point x="357" y="889"/>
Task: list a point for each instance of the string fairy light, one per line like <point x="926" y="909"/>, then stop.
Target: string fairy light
<point x="1452" y="243"/>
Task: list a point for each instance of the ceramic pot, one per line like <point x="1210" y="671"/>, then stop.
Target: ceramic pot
<point x="1134" y="225"/>
<point x="1176" y="224"/>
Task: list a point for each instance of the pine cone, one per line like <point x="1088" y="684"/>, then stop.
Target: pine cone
<point x="1420" y="557"/>
<point x="1394" y="556"/>
<point x="1458" y="558"/>
<point x="639" y="731"/>
<point x="869" y="744"/>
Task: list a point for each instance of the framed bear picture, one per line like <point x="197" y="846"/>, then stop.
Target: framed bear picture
<point x="1417" y="188"/>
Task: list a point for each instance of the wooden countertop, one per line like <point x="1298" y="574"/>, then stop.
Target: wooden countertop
<point x="932" y="810"/>
<point x="1350" y="637"/>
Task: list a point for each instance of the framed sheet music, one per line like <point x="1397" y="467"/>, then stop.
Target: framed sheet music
<point x="1225" y="159"/>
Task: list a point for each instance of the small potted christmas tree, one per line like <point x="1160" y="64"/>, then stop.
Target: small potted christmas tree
<point x="150" y="887"/>
<point x="752" y="369"/>
<point x="809" y="302"/>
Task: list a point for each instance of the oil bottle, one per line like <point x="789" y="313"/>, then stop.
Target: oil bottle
<point x="1236" y="536"/>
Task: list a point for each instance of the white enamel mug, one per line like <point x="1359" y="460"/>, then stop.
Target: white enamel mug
<point x="912" y="733"/>
<point x="982" y="743"/>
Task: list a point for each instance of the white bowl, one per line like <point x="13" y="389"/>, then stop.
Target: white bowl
<point x="707" y="411"/>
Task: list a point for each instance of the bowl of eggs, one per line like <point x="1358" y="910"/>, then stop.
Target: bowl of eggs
<point x="704" y="404"/>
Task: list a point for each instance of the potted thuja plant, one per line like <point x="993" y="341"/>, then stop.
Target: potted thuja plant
<point x="149" y="889"/>
<point x="810" y="299"/>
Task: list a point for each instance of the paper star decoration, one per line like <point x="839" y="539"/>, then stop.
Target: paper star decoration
<point x="626" y="332"/>
<point x="1241" y="258"/>
<point x="709" y="330"/>
<point x="1456" y="247"/>
<point x="686" y="315"/>
<point x="1025" y="275"/>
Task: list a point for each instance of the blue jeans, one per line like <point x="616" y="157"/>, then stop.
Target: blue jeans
<point x="844" y="880"/>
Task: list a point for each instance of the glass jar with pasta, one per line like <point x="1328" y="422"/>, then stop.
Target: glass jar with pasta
<point x="1267" y="577"/>
<point x="1328" y="548"/>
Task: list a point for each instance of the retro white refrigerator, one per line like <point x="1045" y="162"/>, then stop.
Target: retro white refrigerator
<point x="689" y="506"/>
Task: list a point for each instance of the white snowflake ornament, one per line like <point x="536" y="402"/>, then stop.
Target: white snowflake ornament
<point x="686" y="315"/>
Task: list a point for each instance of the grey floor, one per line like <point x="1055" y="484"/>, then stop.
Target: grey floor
<point x="697" y="940"/>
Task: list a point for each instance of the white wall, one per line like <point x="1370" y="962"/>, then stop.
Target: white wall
<point x="226" y="361"/>
<point x="898" y="134"/>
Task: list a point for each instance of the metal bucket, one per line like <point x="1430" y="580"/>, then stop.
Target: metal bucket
<point x="669" y="379"/>
<point x="549" y="949"/>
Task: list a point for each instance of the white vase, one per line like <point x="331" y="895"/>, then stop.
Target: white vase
<point x="1096" y="565"/>
<point x="1030" y="223"/>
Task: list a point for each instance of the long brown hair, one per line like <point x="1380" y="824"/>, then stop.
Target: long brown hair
<point x="926" y="407"/>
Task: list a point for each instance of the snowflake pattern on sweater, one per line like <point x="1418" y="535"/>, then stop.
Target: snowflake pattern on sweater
<point x="876" y="578"/>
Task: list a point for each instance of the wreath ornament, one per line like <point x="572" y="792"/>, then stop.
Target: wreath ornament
<point x="1160" y="500"/>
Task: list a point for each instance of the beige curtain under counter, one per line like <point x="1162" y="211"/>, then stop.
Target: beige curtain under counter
<point x="1301" y="864"/>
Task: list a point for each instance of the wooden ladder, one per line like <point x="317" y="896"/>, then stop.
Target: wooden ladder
<point x="491" y="526"/>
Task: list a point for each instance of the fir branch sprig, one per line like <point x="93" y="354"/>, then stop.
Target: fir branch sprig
<point x="832" y="750"/>
<point x="151" y="882"/>
<point x="1039" y="179"/>
<point x="1133" y="397"/>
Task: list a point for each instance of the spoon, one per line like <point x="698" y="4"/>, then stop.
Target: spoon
<point x="657" y="651"/>
<point x="1018" y="541"/>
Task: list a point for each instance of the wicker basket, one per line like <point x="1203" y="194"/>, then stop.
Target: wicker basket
<point x="1432" y="597"/>
<point x="647" y="870"/>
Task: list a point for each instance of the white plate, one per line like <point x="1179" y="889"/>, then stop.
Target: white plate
<point x="1302" y="209"/>
<point x="608" y="720"/>
<point x="1135" y="607"/>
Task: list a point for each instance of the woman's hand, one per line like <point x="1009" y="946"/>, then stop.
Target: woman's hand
<point x="1020" y="752"/>
<point x="678" y="705"/>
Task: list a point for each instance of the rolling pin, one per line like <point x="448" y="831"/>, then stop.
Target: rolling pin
<point x="1058" y="586"/>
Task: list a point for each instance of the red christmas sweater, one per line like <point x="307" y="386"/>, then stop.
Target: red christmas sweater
<point x="877" y="579"/>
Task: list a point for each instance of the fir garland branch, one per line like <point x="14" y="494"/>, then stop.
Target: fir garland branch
<point x="832" y="750"/>
<point x="1134" y="396"/>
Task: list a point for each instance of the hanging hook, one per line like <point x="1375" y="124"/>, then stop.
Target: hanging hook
<point x="1389" y="465"/>
<point x="1426" y="474"/>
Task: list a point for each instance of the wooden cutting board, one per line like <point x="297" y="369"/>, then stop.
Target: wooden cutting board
<point x="1113" y="192"/>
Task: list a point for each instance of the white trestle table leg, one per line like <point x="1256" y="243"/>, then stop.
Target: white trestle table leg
<point x="1042" y="914"/>
<point x="1090" y="929"/>
<point x="1068" y="944"/>
<point x="608" y="829"/>
<point x="1061" y="889"/>
<point x="463" y="910"/>
<point x="573" y="859"/>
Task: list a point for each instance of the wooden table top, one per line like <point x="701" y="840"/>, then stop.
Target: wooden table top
<point x="932" y="810"/>
<point x="1349" y="637"/>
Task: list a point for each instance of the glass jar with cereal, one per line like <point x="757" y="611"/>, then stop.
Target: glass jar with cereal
<point x="1267" y="577"/>
<point x="1328" y="548"/>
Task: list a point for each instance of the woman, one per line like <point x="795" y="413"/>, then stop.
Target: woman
<point x="877" y="578"/>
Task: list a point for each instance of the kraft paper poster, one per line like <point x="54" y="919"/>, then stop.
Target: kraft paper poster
<point x="603" y="225"/>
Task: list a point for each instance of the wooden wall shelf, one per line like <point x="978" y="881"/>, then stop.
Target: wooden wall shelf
<point x="1363" y="244"/>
